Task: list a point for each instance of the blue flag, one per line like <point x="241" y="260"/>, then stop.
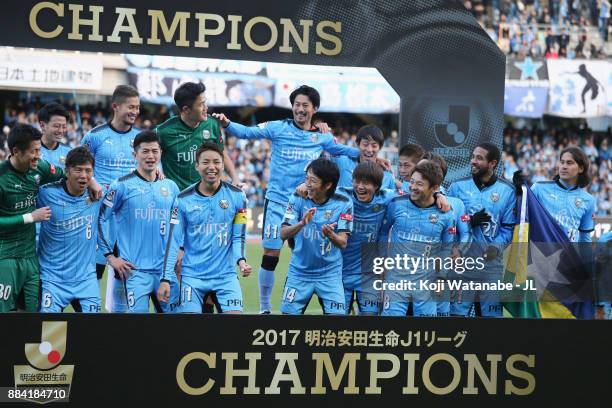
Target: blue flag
<point x="559" y="270"/>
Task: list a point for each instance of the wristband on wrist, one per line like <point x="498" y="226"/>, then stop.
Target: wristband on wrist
<point x="27" y="218"/>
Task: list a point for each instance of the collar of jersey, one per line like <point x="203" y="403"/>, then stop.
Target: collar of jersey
<point x="56" y="146"/>
<point x="65" y="187"/>
<point x="144" y="179"/>
<point x="118" y="131"/>
<point x="418" y="206"/>
<point x="563" y="186"/>
<point x="315" y="130"/>
<point x="10" y="166"/>
<point x="197" y="189"/>
<point x="482" y="185"/>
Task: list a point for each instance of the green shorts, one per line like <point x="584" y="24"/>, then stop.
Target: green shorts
<point x="19" y="275"/>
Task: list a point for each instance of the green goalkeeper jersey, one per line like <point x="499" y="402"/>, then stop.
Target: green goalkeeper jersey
<point x="18" y="193"/>
<point x="179" y="143"/>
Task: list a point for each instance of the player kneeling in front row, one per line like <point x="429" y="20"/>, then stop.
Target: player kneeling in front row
<point x="139" y="205"/>
<point x="320" y="225"/>
<point x="209" y="221"/>
<point x="67" y="243"/>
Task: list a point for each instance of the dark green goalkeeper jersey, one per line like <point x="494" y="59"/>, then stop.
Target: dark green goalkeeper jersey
<point x="18" y="193"/>
<point x="179" y="143"/>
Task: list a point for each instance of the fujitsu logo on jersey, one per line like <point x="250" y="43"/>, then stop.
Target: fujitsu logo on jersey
<point x="209" y="229"/>
<point x="74" y="223"/>
<point x="412" y="236"/>
<point x="189" y="156"/>
<point x="364" y="228"/>
<point x="312" y="233"/>
<point x="299" y="154"/>
<point x="119" y="161"/>
<point x="149" y="214"/>
<point x="28" y="202"/>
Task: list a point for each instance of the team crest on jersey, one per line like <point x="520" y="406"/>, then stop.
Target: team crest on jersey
<point x="578" y="203"/>
<point x="206" y="134"/>
<point x="62" y="159"/>
<point x="224" y="204"/>
<point x="495" y="197"/>
<point x="88" y="201"/>
<point x="376" y="208"/>
<point x="328" y="214"/>
<point x="164" y="191"/>
<point x="433" y="218"/>
<point x="37" y="178"/>
<point x="314" y="138"/>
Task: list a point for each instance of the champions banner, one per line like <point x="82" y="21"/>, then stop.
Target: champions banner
<point x="230" y="361"/>
<point x="447" y="71"/>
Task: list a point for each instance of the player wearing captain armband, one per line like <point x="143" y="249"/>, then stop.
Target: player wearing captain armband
<point x="295" y="143"/>
<point x="208" y="220"/>
<point x="320" y="226"/>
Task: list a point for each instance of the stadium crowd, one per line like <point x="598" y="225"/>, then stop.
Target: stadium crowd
<point x="531" y="149"/>
<point x="540" y="28"/>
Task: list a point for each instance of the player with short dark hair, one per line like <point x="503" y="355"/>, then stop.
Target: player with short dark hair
<point x="139" y="204"/>
<point x="370" y="140"/>
<point x="111" y="145"/>
<point x="320" y="226"/>
<point x="408" y="157"/>
<point x="295" y="143"/>
<point x="182" y="135"/>
<point x="491" y="203"/>
<point x="20" y="178"/>
<point x="209" y="220"/>
<point x="369" y="207"/>
<point x="53" y="120"/>
<point x="67" y="244"/>
<point x="420" y="230"/>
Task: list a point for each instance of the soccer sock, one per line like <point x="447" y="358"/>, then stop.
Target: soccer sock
<point x="266" y="283"/>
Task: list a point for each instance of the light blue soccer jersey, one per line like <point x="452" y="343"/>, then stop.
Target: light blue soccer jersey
<point x="140" y="210"/>
<point x="314" y="256"/>
<point x="367" y="221"/>
<point x="418" y="232"/>
<point x="67" y="242"/>
<point x="212" y="231"/>
<point x="572" y="207"/>
<point x="347" y="165"/>
<point x="113" y="152"/>
<point x="56" y="156"/>
<point x="498" y="198"/>
<point x="292" y="149"/>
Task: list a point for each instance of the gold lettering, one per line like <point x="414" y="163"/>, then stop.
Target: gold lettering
<point x="203" y="31"/>
<point x="231" y="372"/>
<point x="273" y="34"/>
<point x="59" y="11"/>
<point x="234" y="44"/>
<point x="456" y="373"/>
<point x="376" y="375"/>
<point x="286" y="359"/>
<point x="77" y="22"/>
<point x="337" y="27"/>
<point x="323" y="360"/>
<point x="159" y="19"/>
<point x="124" y="13"/>
<point x="531" y="382"/>
<point x="411" y="387"/>
<point x="289" y="30"/>
<point x="490" y="383"/>
<point x="209" y="359"/>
